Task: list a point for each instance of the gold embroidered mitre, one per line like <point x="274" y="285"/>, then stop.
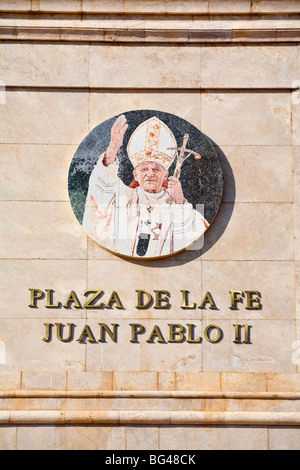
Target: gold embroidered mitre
<point x="151" y="141"/>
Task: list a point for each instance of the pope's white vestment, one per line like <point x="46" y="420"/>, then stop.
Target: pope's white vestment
<point x="117" y="217"/>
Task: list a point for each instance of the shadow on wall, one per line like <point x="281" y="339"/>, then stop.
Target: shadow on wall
<point x="217" y="228"/>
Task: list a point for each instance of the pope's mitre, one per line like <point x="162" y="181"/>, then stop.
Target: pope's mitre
<point x="152" y="141"/>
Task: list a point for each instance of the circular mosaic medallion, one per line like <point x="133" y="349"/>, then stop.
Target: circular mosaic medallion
<point x="145" y="184"/>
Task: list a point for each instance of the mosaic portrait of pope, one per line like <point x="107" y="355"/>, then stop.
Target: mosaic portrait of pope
<point x="145" y="184"/>
<point x="151" y="217"/>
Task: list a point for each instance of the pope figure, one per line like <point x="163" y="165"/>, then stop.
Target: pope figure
<point x="151" y="217"/>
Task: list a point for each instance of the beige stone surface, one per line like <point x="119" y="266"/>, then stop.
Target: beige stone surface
<point x="142" y="357"/>
<point x="207" y="381"/>
<point x="251" y="166"/>
<point x="213" y="438"/>
<point x="244" y="381"/>
<point x="22" y="336"/>
<point x="166" y="381"/>
<point x="43" y="380"/>
<point x="284" y="438"/>
<point x="283" y="382"/>
<point x="267" y="351"/>
<point x="99" y="6"/>
<point x="10" y="380"/>
<point x="296" y="115"/>
<point x="244" y="118"/>
<point x="48" y="230"/>
<point x="223" y="6"/>
<point x="41" y="172"/>
<point x="90" y="381"/>
<point x="297" y="284"/>
<point x="55" y="5"/>
<point x="297" y="230"/>
<point x="15" y="5"/>
<point x="8" y="437"/>
<point x="135" y="381"/>
<point x="59" y="276"/>
<point x="104" y="105"/>
<point x="271" y="6"/>
<point x="219" y="65"/>
<point x="274" y="280"/>
<point x="127" y="277"/>
<point x="36" y="438"/>
<point x="145" y="66"/>
<point x="44" y="117"/>
<point x="139" y="439"/>
<point x="296" y="174"/>
<point x="250" y="231"/>
<point x="45" y="64"/>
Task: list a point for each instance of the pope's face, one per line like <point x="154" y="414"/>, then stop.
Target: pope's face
<point x="150" y="176"/>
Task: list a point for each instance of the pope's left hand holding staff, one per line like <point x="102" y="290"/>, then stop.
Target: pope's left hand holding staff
<point x="151" y="217"/>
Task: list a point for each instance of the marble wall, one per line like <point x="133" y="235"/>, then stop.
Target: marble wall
<point x="244" y="97"/>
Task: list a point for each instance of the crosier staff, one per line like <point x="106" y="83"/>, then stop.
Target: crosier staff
<point x="181" y="158"/>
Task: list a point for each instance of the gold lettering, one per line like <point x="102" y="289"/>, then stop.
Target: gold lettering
<point x="251" y="300"/>
<point x="237" y="334"/>
<point x="105" y="329"/>
<point x="48" y="332"/>
<point x="59" y="332"/>
<point x="114" y="299"/>
<point x="191" y="334"/>
<point x="207" y="333"/>
<point x="208" y="299"/>
<point x="173" y="333"/>
<point x="235" y="299"/>
<point x="50" y="303"/>
<point x="140" y="298"/>
<point x="159" y="299"/>
<point x="35" y="294"/>
<point x="156" y="333"/>
<point x="185" y="300"/>
<point x="72" y="298"/>
<point x="136" y="329"/>
<point x="247" y="334"/>
<point x="89" y="304"/>
<point x="86" y="332"/>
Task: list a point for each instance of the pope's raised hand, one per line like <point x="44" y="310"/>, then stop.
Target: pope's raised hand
<point x="117" y="135"/>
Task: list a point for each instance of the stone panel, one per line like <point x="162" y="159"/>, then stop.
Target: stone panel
<point x="252" y="166"/>
<point x="138" y="438"/>
<point x="296" y="116"/>
<point x="219" y="66"/>
<point x="44" y="65"/>
<point x="44" y="117"/>
<point x="273" y="279"/>
<point x="41" y="172"/>
<point x="246" y="118"/>
<point x="284" y="438"/>
<point x="250" y="231"/>
<point x="213" y="438"/>
<point x="127" y="277"/>
<point x="47" y="231"/>
<point x="296" y="161"/>
<point x="104" y="105"/>
<point x="267" y="351"/>
<point x="60" y="277"/>
<point x="21" y="337"/>
<point x="145" y="66"/>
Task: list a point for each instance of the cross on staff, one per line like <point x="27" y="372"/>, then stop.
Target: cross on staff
<point x="182" y="157"/>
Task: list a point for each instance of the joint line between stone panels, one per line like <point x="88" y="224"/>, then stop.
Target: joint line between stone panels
<point x="91" y="89"/>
